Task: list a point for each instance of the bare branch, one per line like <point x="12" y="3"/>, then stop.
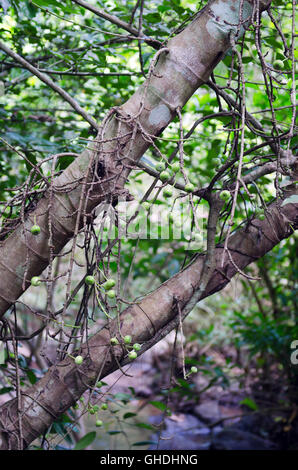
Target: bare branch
<point x="25" y="64"/>
<point x="113" y="19"/>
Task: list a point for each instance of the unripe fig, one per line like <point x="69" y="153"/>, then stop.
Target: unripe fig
<point x="127" y="339"/>
<point x="35" y="281"/>
<point x="164" y="175"/>
<point x="160" y="166"/>
<point x="132" y="355"/>
<point x="175" y="167"/>
<point x="168" y="192"/>
<point x="225" y="195"/>
<point x="79" y="360"/>
<point x="278" y="64"/>
<point x="35" y="229"/>
<point x="109" y="284"/>
<point x="189" y="187"/>
<point x="111" y="294"/>
<point x="89" y="280"/>
<point x="146" y="205"/>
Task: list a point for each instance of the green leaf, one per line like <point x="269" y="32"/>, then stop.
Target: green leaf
<point x="5" y="390"/>
<point x="145" y="426"/>
<point x="133" y="392"/>
<point x="145" y="443"/>
<point x="250" y="403"/>
<point x="85" y="441"/>
<point x="47" y="3"/>
<point x="158" y="404"/>
<point x="31" y="376"/>
<point x="153" y="17"/>
<point x="129" y="415"/>
<point x="124" y="397"/>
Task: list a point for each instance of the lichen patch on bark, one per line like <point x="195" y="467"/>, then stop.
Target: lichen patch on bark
<point x="225" y="18"/>
<point x="159" y="116"/>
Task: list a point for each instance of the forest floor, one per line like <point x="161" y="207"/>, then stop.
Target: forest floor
<point x="205" y="413"/>
<point x="222" y="407"/>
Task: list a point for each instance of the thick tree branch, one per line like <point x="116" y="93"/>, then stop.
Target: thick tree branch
<point x="146" y="322"/>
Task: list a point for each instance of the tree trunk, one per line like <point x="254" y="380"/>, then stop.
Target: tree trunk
<point x="101" y="171"/>
<point x="100" y="174"/>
